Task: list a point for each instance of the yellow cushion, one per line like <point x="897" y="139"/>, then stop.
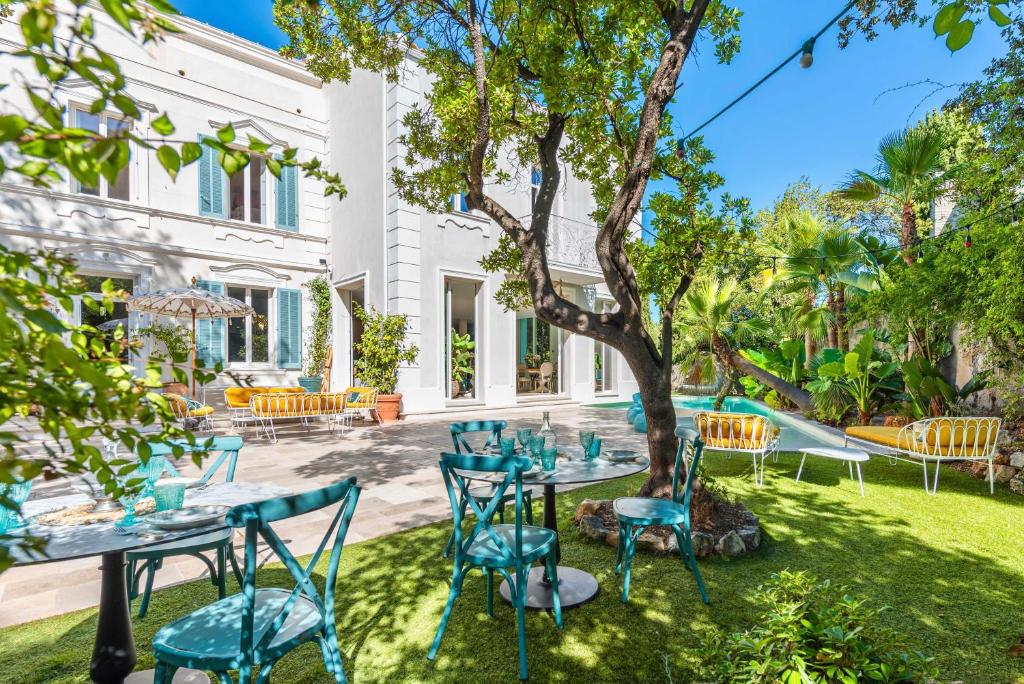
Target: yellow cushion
<point x="360" y="398"/>
<point x="201" y="411"/>
<point x="238" y="397"/>
<point x="733" y="430"/>
<point x="924" y="441"/>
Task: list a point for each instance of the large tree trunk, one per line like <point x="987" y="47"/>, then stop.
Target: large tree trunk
<point x="801" y="398"/>
<point x="808" y="349"/>
<point x="833" y="331"/>
<point x="662" y="443"/>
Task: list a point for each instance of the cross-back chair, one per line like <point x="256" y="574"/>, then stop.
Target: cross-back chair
<point x="509" y="550"/>
<point x="257" y="627"/>
<point x="223" y="450"/>
<point x="483" y="493"/>
<point x="637" y="513"/>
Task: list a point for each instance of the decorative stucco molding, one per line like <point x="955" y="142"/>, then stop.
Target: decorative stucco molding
<point x="234" y="268"/>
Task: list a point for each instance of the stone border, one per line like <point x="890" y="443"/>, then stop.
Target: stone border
<point x="736" y="542"/>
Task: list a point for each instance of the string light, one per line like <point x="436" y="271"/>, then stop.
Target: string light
<point x="807" y="58"/>
<point x="775" y="270"/>
<point x="806" y="54"/>
<point x="967" y="237"/>
<point x="821" y="271"/>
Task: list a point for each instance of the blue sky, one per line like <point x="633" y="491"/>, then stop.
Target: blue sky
<point x="820" y="122"/>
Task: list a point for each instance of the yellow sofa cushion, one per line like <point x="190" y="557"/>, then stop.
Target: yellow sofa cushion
<point x="239" y="397"/>
<point x="285" y="405"/>
<point x="179" y="406"/>
<point x="935" y="439"/>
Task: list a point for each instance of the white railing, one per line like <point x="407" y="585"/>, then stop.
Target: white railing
<point x="570" y="242"/>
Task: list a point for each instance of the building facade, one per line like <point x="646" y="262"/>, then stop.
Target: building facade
<point x="260" y="239"/>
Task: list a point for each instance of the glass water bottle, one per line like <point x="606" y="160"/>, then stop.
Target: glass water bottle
<point x="547" y="432"/>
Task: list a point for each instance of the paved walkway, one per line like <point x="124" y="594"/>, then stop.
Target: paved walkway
<point x="396" y="465"/>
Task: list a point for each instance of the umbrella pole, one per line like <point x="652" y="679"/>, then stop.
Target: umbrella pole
<point x="193" y="352"/>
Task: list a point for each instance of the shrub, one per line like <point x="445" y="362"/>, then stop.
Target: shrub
<point x="812" y="632"/>
<point x="320" y="331"/>
<point x="382" y="348"/>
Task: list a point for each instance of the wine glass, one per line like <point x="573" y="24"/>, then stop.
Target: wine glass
<point x="524" y="435"/>
<point x="586" y="439"/>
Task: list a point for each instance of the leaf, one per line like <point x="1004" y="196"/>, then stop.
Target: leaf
<point x="169" y="159"/>
<point x="190" y="152"/>
<point x="126" y="105"/>
<point x="227" y="134"/>
<point x="11" y="127"/>
<point x="998" y="16"/>
<point x="960" y="35"/>
<point x="163" y="125"/>
<point x="947" y="18"/>
<point x="257" y="145"/>
<point x="117" y="12"/>
<point x="851" y="364"/>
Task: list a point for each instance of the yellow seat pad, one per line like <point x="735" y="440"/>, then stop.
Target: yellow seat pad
<point x="904" y="440"/>
<point x="734" y="430"/>
<point x="239" y="397"/>
<point x="360" y="398"/>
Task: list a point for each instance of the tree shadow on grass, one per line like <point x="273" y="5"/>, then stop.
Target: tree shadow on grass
<point x="950" y="573"/>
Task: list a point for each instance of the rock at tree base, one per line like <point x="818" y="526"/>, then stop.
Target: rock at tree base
<point x="733" y="530"/>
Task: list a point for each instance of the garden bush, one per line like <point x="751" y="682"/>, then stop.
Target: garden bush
<point x="812" y="632"/>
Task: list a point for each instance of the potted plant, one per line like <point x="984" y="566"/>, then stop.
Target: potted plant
<point x="532" y="360"/>
<point x="319" y="335"/>
<point x="380" y="350"/>
<point x="177" y="346"/>
<point x="462" y="361"/>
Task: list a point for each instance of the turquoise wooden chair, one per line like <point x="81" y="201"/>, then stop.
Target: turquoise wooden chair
<point x="151" y="558"/>
<point x="482" y="494"/>
<point x="636" y="513"/>
<point x="498" y="548"/>
<point x="257" y="627"/>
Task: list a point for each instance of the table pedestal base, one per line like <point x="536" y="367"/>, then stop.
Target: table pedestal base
<point x="575" y="588"/>
<point x="182" y="676"/>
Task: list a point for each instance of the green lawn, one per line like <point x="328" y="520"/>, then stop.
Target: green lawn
<point x="950" y="566"/>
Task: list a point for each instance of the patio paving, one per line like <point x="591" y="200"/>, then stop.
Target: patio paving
<point x="396" y="465"/>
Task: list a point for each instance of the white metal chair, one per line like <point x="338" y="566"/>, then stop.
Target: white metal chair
<point x="743" y="433"/>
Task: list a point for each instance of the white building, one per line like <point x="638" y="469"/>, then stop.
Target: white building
<point x="260" y="239"/>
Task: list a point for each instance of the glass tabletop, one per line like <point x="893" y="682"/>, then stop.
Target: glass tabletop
<point x="572" y="468"/>
<point x="65" y="542"/>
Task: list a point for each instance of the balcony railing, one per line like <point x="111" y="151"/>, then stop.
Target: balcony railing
<point x="570" y="243"/>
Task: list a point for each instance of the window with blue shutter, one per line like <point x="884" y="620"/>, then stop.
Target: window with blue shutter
<point x="289" y="328"/>
<point x="211" y="184"/>
<point x="210" y="331"/>
<point x="286" y="199"/>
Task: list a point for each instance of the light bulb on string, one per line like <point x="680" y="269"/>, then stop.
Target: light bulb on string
<point x="807" y="58"/>
<point x="775" y="270"/>
<point x="967" y="238"/>
<point x="821" y="272"/>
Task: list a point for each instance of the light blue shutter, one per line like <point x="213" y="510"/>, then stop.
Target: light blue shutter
<point x="289" y="328"/>
<point x="210" y="331"/>
<point x="211" y="184"/>
<point x="287" y="200"/>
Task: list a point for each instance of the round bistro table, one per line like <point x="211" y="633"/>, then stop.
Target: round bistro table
<point x="113" y="654"/>
<point x="575" y="587"/>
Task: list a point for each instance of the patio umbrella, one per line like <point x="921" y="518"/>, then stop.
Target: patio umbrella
<point x="189" y="302"/>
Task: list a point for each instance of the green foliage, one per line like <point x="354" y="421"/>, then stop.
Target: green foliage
<point x="382" y="348"/>
<point x="864" y="374"/>
<point x="813" y="633"/>
<point x="69" y="381"/>
<point x="175" y="339"/>
<point x="954" y="22"/>
<point x="463" y="352"/>
<point x="930" y="394"/>
<point x="320" y="332"/>
<point x="47" y="145"/>
<point x="830" y="398"/>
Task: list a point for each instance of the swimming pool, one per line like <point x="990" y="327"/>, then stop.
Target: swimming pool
<point x="795" y="432"/>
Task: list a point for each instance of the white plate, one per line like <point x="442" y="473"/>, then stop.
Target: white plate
<point x="619" y="455"/>
<point x="188" y="517"/>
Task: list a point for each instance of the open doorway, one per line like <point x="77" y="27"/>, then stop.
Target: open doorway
<point x="462" y="338"/>
<point x="538" y="356"/>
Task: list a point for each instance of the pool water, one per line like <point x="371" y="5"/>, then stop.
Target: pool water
<point x="795" y="432"/>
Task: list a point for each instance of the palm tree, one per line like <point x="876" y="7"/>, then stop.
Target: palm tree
<point x="708" y="333"/>
<point x="909" y="170"/>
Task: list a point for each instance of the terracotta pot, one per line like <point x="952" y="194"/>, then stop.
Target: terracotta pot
<point x="176" y="388"/>
<point x="388" y="406"/>
<point x="897" y="421"/>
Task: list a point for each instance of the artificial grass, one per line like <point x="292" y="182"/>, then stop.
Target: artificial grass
<point x="950" y="566"/>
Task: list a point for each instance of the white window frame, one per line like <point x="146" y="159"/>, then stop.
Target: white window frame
<point x="271" y="361"/>
<point x="267" y="188"/>
<point x="103" y="189"/>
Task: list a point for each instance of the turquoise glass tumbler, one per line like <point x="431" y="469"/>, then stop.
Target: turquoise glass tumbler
<point x="594" y="450"/>
<point x="508" y="446"/>
<point x="169" y="496"/>
<point x="549" y="458"/>
<point x="17" y="493"/>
